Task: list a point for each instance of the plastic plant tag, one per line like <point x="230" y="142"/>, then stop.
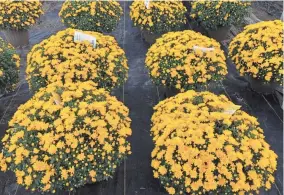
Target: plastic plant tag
<point x="204" y="49"/>
<point x="79" y="36"/>
<point x="56" y="98"/>
<point x="232" y="109"/>
<point x="147" y="3"/>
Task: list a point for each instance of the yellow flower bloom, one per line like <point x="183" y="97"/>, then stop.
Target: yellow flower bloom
<point x="215" y="14"/>
<point x="198" y="150"/>
<point x="159" y="17"/>
<point x="162" y="170"/>
<point x="26" y="13"/>
<point x="258" y="51"/>
<point x="52" y="149"/>
<point x="85" y="15"/>
<point x="28" y="180"/>
<point x="55" y="145"/>
<point x="106" y="65"/>
<point x="92" y="173"/>
<point x="171" y="190"/>
<point x="185" y="60"/>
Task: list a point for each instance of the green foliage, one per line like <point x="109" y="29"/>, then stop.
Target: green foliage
<point x="99" y="16"/>
<point x="9" y="67"/>
<point x="215" y="14"/>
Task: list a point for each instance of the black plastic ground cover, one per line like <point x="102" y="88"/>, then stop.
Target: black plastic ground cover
<point x="134" y="177"/>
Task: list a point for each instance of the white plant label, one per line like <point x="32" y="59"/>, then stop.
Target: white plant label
<point x="204" y="49"/>
<point x="147" y="3"/>
<point x="79" y="36"/>
<point x="57" y="99"/>
<point x="232" y="109"/>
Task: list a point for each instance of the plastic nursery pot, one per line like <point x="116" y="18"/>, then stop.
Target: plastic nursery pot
<point x="149" y="37"/>
<point x="196" y="27"/>
<point x="167" y="91"/>
<point x="17" y="38"/>
<point x="220" y="34"/>
<point x="171" y="91"/>
<point x="260" y="87"/>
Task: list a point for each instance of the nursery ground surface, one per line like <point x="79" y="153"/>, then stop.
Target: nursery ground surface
<point x="134" y="176"/>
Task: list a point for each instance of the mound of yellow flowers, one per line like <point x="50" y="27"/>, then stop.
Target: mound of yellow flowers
<point x="204" y="144"/>
<point x="215" y="14"/>
<point x="258" y="51"/>
<point x="99" y="16"/>
<point x="160" y="17"/>
<point x="9" y="67"/>
<point x="66" y="136"/>
<point x="185" y="60"/>
<point x="60" y="58"/>
<point x="19" y="15"/>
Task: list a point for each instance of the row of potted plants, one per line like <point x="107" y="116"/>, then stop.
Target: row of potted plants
<point x="201" y="139"/>
<point x="66" y="136"/>
<point x="154" y="19"/>
<point x="72" y="133"/>
<point x="161" y="17"/>
<point x="203" y="142"/>
<point x="188" y="60"/>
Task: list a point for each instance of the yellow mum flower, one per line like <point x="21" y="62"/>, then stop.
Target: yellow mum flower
<point x="98" y="16"/>
<point x="258" y="51"/>
<point x="215" y="14"/>
<point x="160" y="17"/>
<point x="171" y="190"/>
<point x="61" y="59"/>
<point x="185" y="60"/>
<point x="28" y="180"/>
<point x="53" y="152"/>
<point x="19" y="15"/>
<point x="197" y="152"/>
